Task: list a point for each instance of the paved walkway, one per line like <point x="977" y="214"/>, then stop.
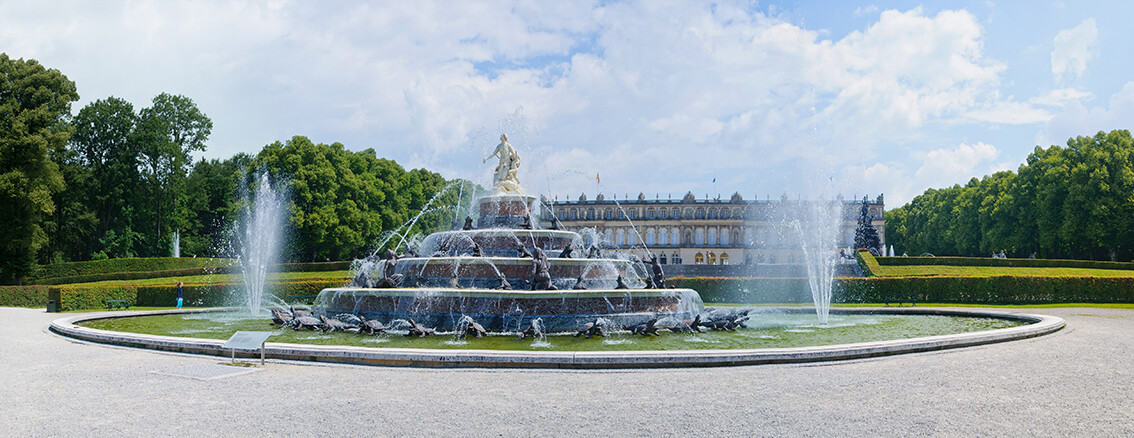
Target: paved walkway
<point x="1078" y="382"/>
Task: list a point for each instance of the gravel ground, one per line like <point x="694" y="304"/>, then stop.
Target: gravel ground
<point x="1077" y="382"/>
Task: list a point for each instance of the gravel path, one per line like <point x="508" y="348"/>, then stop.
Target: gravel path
<point x="1078" y="382"/>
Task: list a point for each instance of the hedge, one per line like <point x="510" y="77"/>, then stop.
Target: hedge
<point x="115" y="266"/>
<point x="966" y="290"/>
<point x="91" y="278"/>
<point x="867" y="261"/>
<point x="1012" y="263"/>
<point x="1005" y="289"/>
<point x="96" y="270"/>
<point x="315" y="267"/>
<point x="23" y="296"/>
<point x="77" y="297"/>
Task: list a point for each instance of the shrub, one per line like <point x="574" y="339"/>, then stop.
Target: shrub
<point x="747" y="290"/>
<point x="91" y="278"/>
<point x="961" y="290"/>
<point x="23" y="296"/>
<point x="992" y="290"/>
<point x="1011" y="263"/>
<point x="867" y="261"/>
<point x="91" y="297"/>
<point x="117" y="266"/>
<point x="195" y="294"/>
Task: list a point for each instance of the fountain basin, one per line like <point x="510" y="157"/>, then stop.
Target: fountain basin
<point x="1036" y="325"/>
<point x="502" y="310"/>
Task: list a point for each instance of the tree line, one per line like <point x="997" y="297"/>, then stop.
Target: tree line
<point x="1074" y="202"/>
<point x="112" y="181"/>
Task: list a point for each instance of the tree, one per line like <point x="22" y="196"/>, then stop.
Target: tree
<point x="102" y="146"/>
<point x="211" y="194"/>
<point x="35" y="103"/>
<point x="167" y="133"/>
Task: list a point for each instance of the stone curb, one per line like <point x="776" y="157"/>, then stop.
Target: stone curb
<point x="1038" y="325"/>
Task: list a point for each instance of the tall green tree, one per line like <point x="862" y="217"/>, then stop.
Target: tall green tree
<point x="167" y="133"/>
<point x="35" y="103"/>
<point x="102" y="146"/>
<point x="1065" y="202"/>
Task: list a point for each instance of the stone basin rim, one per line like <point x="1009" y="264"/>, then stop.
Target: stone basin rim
<point x="1037" y="325"/>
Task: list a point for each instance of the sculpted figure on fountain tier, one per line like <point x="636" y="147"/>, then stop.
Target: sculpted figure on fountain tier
<point x="504" y="180"/>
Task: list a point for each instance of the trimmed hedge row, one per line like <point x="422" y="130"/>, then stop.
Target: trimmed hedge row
<point x="90" y="278"/>
<point x="961" y="290"/>
<point x="1011" y="263"/>
<point x="114" y="266"/>
<point x="23" y="296"/>
<point x="991" y="290"/>
<point x="315" y="267"/>
<point x="129" y="272"/>
<point x="867" y="261"/>
<point x="196" y="295"/>
<point x="746" y="290"/>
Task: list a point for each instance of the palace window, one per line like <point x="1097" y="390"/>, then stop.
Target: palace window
<point x="700" y="213"/>
<point x="699" y="259"/>
<point x="725" y="214"/>
<point x="661" y="214"/>
<point x="591" y="214"/>
<point x="700" y="236"/>
<point x="650" y="237"/>
<point x="724" y="238"/>
<point x="676" y="213"/>
<point x="674" y="235"/>
<point x="713" y="214"/>
<point x="712" y="237"/>
<point x="650" y="214"/>
<point x="675" y="259"/>
<point x="574" y="214"/>
<point x="606" y="214"/>
<point x="621" y="237"/>
<point x="663" y="237"/>
<point x="724" y="258"/>
<point x="633" y="213"/>
<point x="661" y="259"/>
<point x="609" y="234"/>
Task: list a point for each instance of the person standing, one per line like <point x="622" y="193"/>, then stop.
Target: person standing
<point x="179" y="284"/>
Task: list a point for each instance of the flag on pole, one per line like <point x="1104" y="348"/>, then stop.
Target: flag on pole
<point x="597" y="179"/>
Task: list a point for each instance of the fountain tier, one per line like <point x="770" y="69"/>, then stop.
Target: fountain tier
<point x="472" y="272"/>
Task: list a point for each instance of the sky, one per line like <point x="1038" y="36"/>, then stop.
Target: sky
<point x="662" y="98"/>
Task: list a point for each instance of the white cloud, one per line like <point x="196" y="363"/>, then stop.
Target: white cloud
<point x="864" y="11"/>
<point x="655" y="96"/>
<point x="1078" y="119"/>
<point x="1073" y="48"/>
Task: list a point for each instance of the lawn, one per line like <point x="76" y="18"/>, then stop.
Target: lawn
<point x="994" y="271"/>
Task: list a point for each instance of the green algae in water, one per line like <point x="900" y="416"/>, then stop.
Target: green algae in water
<point x="766" y="330"/>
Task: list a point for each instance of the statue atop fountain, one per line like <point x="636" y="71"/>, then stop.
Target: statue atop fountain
<point x="505" y="180"/>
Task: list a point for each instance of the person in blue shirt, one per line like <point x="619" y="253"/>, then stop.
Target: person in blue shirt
<point x="179" y="284"/>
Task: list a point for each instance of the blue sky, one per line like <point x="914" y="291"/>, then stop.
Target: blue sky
<point x="656" y="97"/>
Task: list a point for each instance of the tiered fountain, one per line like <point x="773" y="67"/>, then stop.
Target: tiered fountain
<point x="504" y="274"/>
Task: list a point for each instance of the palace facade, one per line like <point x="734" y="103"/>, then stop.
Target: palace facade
<point x="691" y="231"/>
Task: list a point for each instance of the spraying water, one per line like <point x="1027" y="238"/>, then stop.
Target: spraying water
<point x="176" y="243"/>
<point x="817" y="226"/>
<point x="260" y="232"/>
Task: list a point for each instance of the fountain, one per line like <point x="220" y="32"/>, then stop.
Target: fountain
<point x="505" y="273"/>
<point x="502" y="274"/>
<point x="259" y="234"/>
